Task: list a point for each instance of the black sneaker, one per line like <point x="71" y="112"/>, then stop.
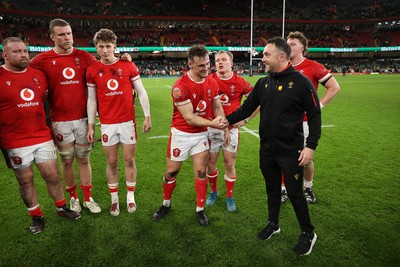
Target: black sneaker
<point x="37" y="225"/>
<point x="67" y="213"/>
<point x="161" y="212"/>
<point x="309" y="195"/>
<point x="269" y="231"/>
<point x="202" y="218"/>
<point x="306" y="243"/>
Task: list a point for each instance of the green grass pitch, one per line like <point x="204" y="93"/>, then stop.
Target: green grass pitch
<point x="357" y="183"/>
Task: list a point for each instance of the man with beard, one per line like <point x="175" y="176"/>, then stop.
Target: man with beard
<point x="24" y="133"/>
<point x="283" y="96"/>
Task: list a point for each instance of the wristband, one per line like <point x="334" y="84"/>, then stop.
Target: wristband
<point x="321" y="105"/>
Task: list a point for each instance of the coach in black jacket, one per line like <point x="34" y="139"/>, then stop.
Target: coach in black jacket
<point x="283" y="96"/>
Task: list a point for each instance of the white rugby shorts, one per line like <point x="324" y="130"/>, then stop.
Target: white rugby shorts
<point x="66" y="132"/>
<point x="181" y="145"/>
<point x="124" y="132"/>
<point x="22" y="157"/>
<point x="306" y="132"/>
<point x="217" y="140"/>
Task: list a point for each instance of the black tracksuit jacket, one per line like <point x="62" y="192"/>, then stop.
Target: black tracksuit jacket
<point x="283" y="98"/>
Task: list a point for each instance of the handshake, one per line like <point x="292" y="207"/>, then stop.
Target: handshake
<point x="220" y="122"/>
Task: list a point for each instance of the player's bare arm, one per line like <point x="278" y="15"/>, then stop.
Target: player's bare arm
<point x="332" y="89"/>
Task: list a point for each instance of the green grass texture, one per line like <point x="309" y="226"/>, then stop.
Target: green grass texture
<point x="356" y="217"/>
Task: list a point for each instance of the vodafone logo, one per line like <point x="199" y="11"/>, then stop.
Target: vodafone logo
<point x="68" y="73"/>
<point x="112" y="84"/>
<point x="201" y="106"/>
<point x="27" y="94"/>
<point x="224" y="99"/>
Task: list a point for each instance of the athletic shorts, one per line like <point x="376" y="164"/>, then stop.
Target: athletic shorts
<point x="216" y="138"/>
<point x="22" y="157"/>
<point x="124" y="132"/>
<point x="66" y="132"/>
<point x="182" y="144"/>
<point x="306" y="132"/>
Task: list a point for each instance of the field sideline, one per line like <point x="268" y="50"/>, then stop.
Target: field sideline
<point x="357" y="183"/>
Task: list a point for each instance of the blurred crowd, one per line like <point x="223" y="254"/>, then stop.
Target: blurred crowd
<point x="164" y="28"/>
<point x="299" y="10"/>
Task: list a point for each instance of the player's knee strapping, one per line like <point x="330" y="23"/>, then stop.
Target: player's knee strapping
<point x="67" y="153"/>
<point x="83" y="151"/>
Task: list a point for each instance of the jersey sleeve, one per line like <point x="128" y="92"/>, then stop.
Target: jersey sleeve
<point x="134" y="71"/>
<point x="247" y="88"/>
<point x="180" y="94"/>
<point x="89" y="77"/>
<point x="35" y="62"/>
<point x="321" y="72"/>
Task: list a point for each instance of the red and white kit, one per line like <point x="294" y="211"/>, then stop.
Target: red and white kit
<point x="113" y="84"/>
<point x="66" y="78"/>
<point x="314" y="71"/>
<point x="200" y="95"/>
<point x="22" y="109"/>
<point x="231" y="91"/>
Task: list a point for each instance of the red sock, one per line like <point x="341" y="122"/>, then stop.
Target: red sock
<point x="35" y="211"/>
<point x="60" y="203"/>
<point x="283" y="180"/>
<point x="168" y="187"/>
<point x="113" y="188"/>
<point x="72" y="192"/>
<point x="212" y="177"/>
<point x="130" y="186"/>
<point x="87" y="192"/>
<point x="201" y="191"/>
<point x="230" y="184"/>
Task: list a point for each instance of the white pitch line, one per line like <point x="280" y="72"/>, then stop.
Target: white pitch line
<point x="159" y="136"/>
<point x="249" y="131"/>
<point x="328" y="126"/>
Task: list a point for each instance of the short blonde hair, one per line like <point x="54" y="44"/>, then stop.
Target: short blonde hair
<point x="105" y="35"/>
<point x="302" y="39"/>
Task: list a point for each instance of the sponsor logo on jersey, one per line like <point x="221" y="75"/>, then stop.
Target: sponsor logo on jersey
<point x="201" y="106"/>
<point x="68" y="73"/>
<point x="112" y="84"/>
<point x="224" y="99"/>
<point x="176" y="92"/>
<point x="27" y="95"/>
